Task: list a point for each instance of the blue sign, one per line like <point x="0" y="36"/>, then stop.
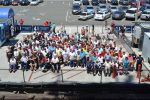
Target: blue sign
<point x="128" y="29"/>
<point x="41" y="28"/>
<point x="26" y="28"/>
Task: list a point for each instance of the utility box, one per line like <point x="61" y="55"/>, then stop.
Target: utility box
<point x="146" y="46"/>
<point x="138" y="34"/>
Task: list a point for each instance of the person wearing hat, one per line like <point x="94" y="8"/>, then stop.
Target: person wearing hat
<point x="139" y="61"/>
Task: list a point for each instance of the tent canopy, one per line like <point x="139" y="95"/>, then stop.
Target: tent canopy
<point x="6" y="13"/>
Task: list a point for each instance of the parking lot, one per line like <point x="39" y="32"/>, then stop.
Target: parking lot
<point x="58" y="11"/>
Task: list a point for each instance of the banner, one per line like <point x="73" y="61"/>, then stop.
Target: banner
<point x="128" y="29"/>
<point x="26" y="28"/>
<point x="40" y="28"/>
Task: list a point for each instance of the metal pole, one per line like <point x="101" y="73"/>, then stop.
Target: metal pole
<point x="23" y="76"/>
<point x="101" y="78"/>
<point x="62" y="76"/>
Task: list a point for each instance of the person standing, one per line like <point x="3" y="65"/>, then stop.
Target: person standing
<point x="12" y="64"/>
<point x="126" y="65"/>
<point x="139" y="61"/>
<point x="55" y="63"/>
<point x="24" y="62"/>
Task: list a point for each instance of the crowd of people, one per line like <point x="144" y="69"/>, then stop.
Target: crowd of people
<point x="54" y="50"/>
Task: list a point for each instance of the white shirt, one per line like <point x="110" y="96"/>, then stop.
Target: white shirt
<point x="55" y="60"/>
<point x="24" y="59"/>
<point x="12" y="61"/>
<point x="16" y="53"/>
<point x="107" y="65"/>
<point x="72" y="55"/>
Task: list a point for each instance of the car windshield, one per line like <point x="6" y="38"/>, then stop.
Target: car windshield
<point x="124" y="8"/>
<point x="117" y="12"/>
<point x="148" y="7"/>
<point x="113" y="7"/>
<point x="33" y="0"/>
<point x="83" y="14"/>
<point x="102" y="6"/>
<point x="76" y="0"/>
<point x="89" y="7"/>
<point x="145" y="12"/>
<point x="99" y="12"/>
<point x="131" y="11"/>
<point x="76" y="7"/>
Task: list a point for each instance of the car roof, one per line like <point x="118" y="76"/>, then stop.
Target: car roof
<point x="132" y="9"/>
<point x="147" y="10"/>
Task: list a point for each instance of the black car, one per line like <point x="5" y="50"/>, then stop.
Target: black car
<point x="123" y="2"/>
<point x="85" y="2"/>
<point x="95" y="2"/>
<point x="118" y="15"/>
<point x="24" y="2"/>
<point x="76" y="9"/>
<point x="6" y="2"/>
<point x="114" y="2"/>
<point x="102" y="1"/>
<point x="1" y="2"/>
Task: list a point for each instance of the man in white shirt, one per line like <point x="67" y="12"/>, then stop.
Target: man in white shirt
<point x="24" y="62"/>
<point x="72" y="57"/>
<point x="12" y="64"/>
<point x="108" y="66"/>
<point x="55" y="63"/>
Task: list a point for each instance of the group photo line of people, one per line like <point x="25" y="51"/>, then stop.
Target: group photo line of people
<point x="57" y="49"/>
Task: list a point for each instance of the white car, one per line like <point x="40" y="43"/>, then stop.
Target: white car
<point x="132" y="13"/>
<point x="85" y="16"/>
<point x="102" y="15"/>
<point x="145" y="15"/>
<point x="34" y="2"/>
<point x="77" y="2"/>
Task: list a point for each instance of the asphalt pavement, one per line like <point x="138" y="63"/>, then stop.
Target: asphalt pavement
<point x="58" y="11"/>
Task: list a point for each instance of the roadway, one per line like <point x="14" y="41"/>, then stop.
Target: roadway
<point x="58" y="11"/>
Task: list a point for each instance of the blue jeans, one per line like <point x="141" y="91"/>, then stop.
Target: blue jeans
<point x="24" y="65"/>
<point x="72" y="64"/>
<point x="12" y="66"/>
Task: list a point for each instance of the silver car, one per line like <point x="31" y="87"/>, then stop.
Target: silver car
<point x="145" y="15"/>
<point x="85" y="16"/>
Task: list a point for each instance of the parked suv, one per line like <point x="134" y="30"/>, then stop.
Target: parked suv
<point x="132" y="13"/>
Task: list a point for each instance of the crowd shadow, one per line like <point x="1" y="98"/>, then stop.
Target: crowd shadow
<point x="11" y="42"/>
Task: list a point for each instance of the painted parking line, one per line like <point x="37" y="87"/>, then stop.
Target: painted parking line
<point x="30" y="76"/>
<point x="62" y="73"/>
<point x="67" y="16"/>
<point x="75" y="74"/>
<point x="36" y="19"/>
<point x="42" y="75"/>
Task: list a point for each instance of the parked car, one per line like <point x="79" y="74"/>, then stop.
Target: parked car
<point x="123" y="2"/>
<point x="85" y="16"/>
<point x="114" y="2"/>
<point x="132" y="2"/>
<point x="76" y="8"/>
<point x="102" y="1"/>
<point x="34" y="2"/>
<point x="95" y="2"/>
<point x="77" y="1"/>
<point x="85" y="2"/>
<point x="114" y="8"/>
<point x="145" y="15"/>
<point x="90" y="9"/>
<point x="103" y="7"/>
<point x="147" y="1"/>
<point x="102" y="15"/>
<point x="132" y="13"/>
<point x="24" y="2"/>
<point x="15" y="2"/>
<point x="1" y="2"/>
<point x="123" y="8"/>
<point x="6" y="2"/>
<point x="147" y="6"/>
<point x="118" y="15"/>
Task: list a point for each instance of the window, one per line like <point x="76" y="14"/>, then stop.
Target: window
<point x="131" y="11"/>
